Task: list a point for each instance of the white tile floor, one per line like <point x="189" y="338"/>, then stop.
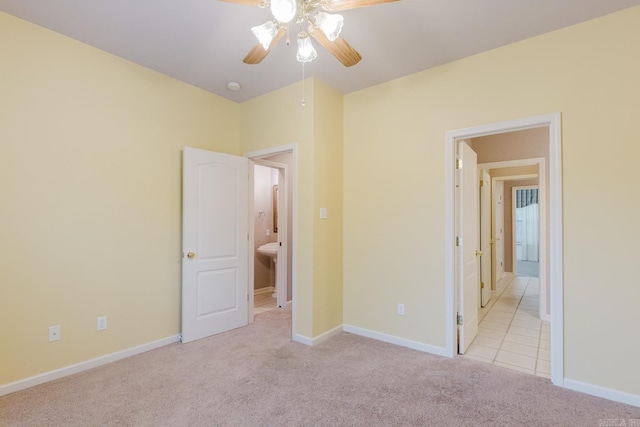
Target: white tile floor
<point x="510" y="332"/>
<point x="263" y="302"/>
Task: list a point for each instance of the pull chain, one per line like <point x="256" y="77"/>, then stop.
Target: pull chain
<point x="304" y="101"/>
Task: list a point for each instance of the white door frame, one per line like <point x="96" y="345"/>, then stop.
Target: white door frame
<point x="467" y="232"/>
<point x="292" y="175"/>
<point x="552" y="121"/>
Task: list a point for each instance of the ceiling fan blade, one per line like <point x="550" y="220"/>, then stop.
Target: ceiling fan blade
<point x="257" y="54"/>
<point x="246" y="2"/>
<point x="336" y="5"/>
<point x="338" y="48"/>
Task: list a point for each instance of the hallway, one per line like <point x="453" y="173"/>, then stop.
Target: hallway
<point x="510" y="332"/>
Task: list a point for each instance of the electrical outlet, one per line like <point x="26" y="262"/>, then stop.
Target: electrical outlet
<point x="401" y="309"/>
<point x="54" y="333"/>
<point x="102" y="323"/>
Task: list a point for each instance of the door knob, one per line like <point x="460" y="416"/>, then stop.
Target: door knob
<point x="478" y="253"/>
<point x="191" y="255"/>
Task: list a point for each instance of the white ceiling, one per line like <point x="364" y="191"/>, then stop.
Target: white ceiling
<point x="203" y="42"/>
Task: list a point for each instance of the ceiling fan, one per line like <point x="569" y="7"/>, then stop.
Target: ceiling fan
<point x="322" y="26"/>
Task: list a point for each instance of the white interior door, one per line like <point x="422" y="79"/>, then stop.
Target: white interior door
<point x="215" y="243"/>
<point x="468" y="246"/>
<point x="498" y="229"/>
<point x="485" y="237"/>
<point x="283" y="232"/>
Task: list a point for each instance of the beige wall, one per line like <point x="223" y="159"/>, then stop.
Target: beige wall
<point x="90" y="196"/>
<point x="328" y="178"/>
<point x="524" y="144"/>
<point x="394" y="187"/>
<point x="278" y="119"/>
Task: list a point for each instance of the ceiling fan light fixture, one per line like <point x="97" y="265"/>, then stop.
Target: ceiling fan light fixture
<point x="331" y="25"/>
<point x="265" y="33"/>
<point x="306" y="52"/>
<point x="309" y="15"/>
<point x="284" y="10"/>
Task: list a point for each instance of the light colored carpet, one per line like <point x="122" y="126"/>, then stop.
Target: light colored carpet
<point x="256" y="376"/>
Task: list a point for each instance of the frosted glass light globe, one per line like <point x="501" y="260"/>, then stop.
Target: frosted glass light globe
<point x="265" y="33"/>
<point x="331" y="25"/>
<point x="306" y="52"/>
<point x="284" y="10"/>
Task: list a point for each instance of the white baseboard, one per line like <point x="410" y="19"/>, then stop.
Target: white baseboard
<point x="84" y="366"/>
<point x="303" y="340"/>
<point x="605" y="393"/>
<point x="266" y="290"/>
<point x="415" y="345"/>
<point x="327" y="335"/>
<point x="320" y="338"/>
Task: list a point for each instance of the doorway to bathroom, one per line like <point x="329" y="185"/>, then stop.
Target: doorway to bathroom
<point x="218" y="238"/>
<point x="272" y="230"/>
<point x="269" y="210"/>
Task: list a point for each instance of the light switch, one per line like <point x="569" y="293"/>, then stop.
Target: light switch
<point x="323" y="213"/>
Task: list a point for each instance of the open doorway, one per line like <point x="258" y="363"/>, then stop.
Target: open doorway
<point x="505" y="177"/>
<point x="277" y="225"/>
<point x="270" y="208"/>
<point x="549" y="124"/>
<point x="218" y="238"/>
<point x="513" y="330"/>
